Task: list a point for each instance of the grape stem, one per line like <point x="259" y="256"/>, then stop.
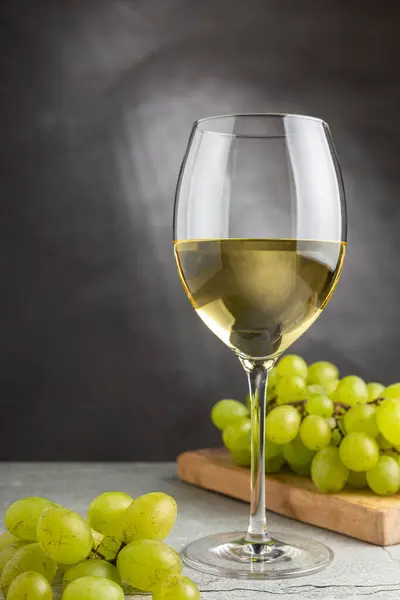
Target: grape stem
<point x="99" y="554"/>
<point x="377" y="401"/>
<point x="102" y="557"/>
<point x="114" y="562"/>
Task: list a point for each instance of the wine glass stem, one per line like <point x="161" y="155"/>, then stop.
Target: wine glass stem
<point x="257" y="374"/>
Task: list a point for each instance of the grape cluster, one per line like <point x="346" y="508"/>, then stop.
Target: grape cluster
<point x="120" y="544"/>
<point x="337" y="431"/>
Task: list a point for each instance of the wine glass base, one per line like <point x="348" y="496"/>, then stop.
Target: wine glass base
<point x="230" y="555"/>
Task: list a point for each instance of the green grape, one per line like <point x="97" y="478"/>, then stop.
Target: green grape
<point x="237" y="436"/>
<point x="107" y="549"/>
<point x="21" y="518"/>
<point x="30" y="586"/>
<point x="319" y="405"/>
<point x="374" y="390"/>
<point x="322" y="372"/>
<point x="392" y="391"/>
<point x="298" y="456"/>
<point x="302" y="470"/>
<point x="383" y="443"/>
<point x="6" y="539"/>
<point x="145" y="563"/>
<point x="91" y="568"/>
<point x="272" y="379"/>
<point x="226" y="412"/>
<point x="242" y="458"/>
<point x="328" y="472"/>
<point x="93" y="588"/>
<point x="330" y="387"/>
<point x="340" y="422"/>
<point x="388" y="419"/>
<point x="282" y="424"/>
<point x="331" y="422"/>
<point x="361" y="418"/>
<point x="106" y="512"/>
<point x="351" y="390"/>
<point x="291" y="364"/>
<point x="149" y="517"/>
<point x="8" y="551"/>
<point x="336" y="437"/>
<point x="315" y="432"/>
<point x="291" y="389"/>
<point x="177" y="587"/>
<point x="359" y="451"/>
<point x="357" y="480"/>
<point x="271" y="395"/>
<point x="64" y="535"/>
<point x="272" y="450"/>
<point x="314" y="389"/>
<point x="384" y="477"/>
<point x="274" y="464"/>
<point x="29" y="558"/>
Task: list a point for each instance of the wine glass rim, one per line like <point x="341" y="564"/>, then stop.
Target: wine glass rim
<point x="282" y="115"/>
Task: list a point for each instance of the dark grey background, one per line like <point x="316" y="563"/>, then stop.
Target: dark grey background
<point x="101" y="354"/>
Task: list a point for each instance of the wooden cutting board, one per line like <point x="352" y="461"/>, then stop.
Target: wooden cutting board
<point x="364" y="516"/>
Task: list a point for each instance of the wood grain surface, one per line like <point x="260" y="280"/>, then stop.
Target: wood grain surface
<point x="364" y="516"/>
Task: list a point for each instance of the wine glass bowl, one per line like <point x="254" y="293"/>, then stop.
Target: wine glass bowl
<point x="259" y="241"/>
<point x="259" y="295"/>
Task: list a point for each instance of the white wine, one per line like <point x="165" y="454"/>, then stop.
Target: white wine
<point x="259" y="295"/>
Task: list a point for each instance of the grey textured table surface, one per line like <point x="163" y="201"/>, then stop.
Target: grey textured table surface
<point x="358" y="570"/>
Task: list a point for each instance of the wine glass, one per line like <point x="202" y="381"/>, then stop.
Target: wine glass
<point x="259" y="241"/>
